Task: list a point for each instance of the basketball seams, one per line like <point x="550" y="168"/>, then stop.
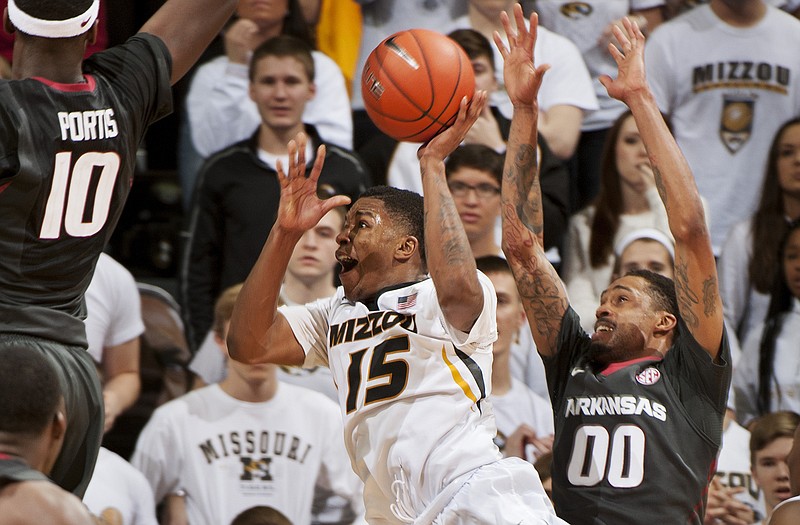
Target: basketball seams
<point x="383" y="71"/>
<point x="387" y="76"/>
<point x="456" y="85"/>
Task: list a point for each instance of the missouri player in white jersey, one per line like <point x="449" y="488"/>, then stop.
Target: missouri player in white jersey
<point x="391" y="354"/>
<point x="410" y="352"/>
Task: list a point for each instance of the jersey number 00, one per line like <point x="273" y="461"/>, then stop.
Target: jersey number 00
<point x="619" y="458"/>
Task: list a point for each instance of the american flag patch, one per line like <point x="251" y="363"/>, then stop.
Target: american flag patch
<point x="406" y="301"/>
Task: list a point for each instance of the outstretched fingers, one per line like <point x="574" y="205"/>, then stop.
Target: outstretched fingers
<point x="468" y="113"/>
<point x="498" y="42"/>
<point x="316" y="170"/>
<point x="334" y="202"/>
<point x="511" y="35"/>
<point x="628" y="40"/>
<point x="302" y="142"/>
<point x="475" y="108"/>
<point x="526" y="35"/>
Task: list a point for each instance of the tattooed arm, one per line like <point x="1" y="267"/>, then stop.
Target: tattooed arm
<point x="540" y="288"/>
<point x="695" y="268"/>
<point x="448" y="254"/>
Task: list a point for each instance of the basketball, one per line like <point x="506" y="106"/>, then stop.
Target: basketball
<point x="413" y="83"/>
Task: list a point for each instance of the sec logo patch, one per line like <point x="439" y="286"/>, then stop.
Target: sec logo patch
<point x="648" y="376"/>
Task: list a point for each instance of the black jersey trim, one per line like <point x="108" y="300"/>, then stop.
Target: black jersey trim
<point x="372" y="302"/>
<point x="476" y="372"/>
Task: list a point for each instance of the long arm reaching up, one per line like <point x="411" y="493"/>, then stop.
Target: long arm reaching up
<point x="450" y="260"/>
<point x="696" y="281"/>
<point x="258" y="333"/>
<point x="187" y="27"/>
<point x="540" y="288"/>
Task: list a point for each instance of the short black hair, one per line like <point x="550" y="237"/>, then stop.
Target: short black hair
<point x="54" y="9"/>
<point x="478" y="157"/>
<point x="29" y="390"/>
<point x="261" y="515"/>
<point x="492" y="264"/>
<point x="283" y="46"/>
<point x="661" y="289"/>
<point x="406" y="208"/>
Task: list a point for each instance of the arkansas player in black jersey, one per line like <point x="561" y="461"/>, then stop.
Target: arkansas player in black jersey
<point x="69" y="131"/>
<point x="638" y="405"/>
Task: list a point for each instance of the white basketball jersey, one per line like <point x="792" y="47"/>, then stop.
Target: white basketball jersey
<point x="411" y="388"/>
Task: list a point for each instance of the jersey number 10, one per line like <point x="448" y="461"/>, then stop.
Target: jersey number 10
<point x="69" y="195"/>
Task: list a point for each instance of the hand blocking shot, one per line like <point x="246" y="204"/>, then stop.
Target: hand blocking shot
<point x="408" y="338"/>
<point x="638" y="404"/>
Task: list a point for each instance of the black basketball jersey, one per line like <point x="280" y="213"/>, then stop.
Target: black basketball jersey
<point x="637" y="443"/>
<point x="14" y="470"/>
<point x="67" y="157"/>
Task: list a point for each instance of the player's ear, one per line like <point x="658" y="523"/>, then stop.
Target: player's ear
<point x="408" y="246"/>
<point x="91" y="36"/>
<point x="58" y="426"/>
<point x="54" y="438"/>
<point x="666" y="322"/>
<point x="312" y="91"/>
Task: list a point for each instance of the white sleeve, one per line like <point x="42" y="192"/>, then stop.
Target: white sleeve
<point x="660" y="70"/>
<point x="734" y="273"/>
<point x="567" y="82"/>
<point x="218" y="106"/>
<point x="484" y="331"/>
<point x="543" y="415"/>
<point x="144" y="503"/>
<point x="126" y="319"/>
<point x="745" y="379"/>
<point x="158" y="454"/>
<point x="310" y="324"/>
<point x="209" y="362"/>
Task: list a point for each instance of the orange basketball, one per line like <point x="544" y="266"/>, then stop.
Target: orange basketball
<point x="413" y="83"/>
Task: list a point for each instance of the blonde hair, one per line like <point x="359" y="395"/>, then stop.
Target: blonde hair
<point x="223" y="309"/>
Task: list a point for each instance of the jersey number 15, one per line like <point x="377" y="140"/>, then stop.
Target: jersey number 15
<point x="395" y="370"/>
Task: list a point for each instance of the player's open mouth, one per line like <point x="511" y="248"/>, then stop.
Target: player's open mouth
<point x="603" y="327"/>
<point x="347" y="263"/>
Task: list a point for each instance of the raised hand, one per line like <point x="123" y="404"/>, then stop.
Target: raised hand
<point x="300" y="209"/>
<point x="522" y="77"/>
<point x="448" y="140"/>
<point x="240" y="39"/>
<point x="629" y="56"/>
